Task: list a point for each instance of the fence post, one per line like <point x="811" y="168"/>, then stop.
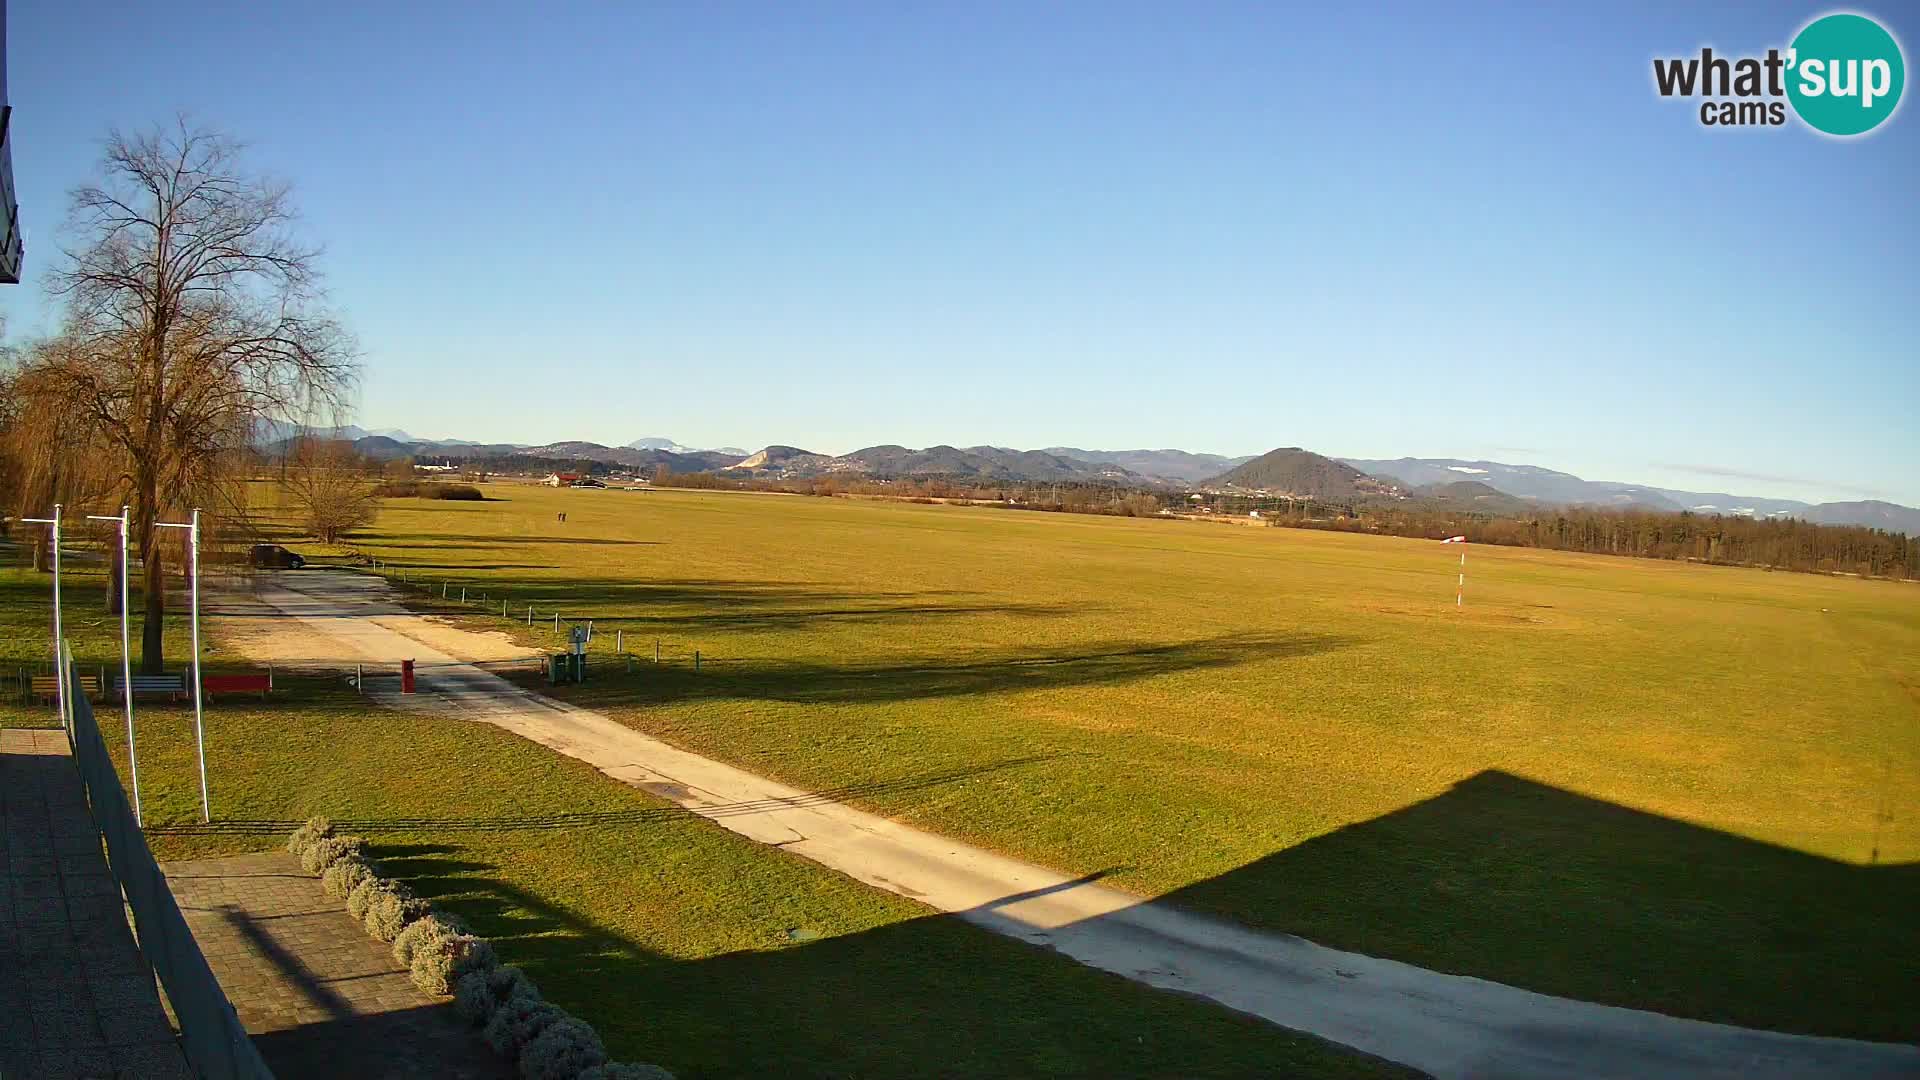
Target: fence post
<point x="619" y="642"/>
<point x="529" y="614"/>
<point x="589" y="630"/>
<point x="696" y="661"/>
<point x="443" y="590"/>
<point x="556" y="622"/>
<point x="463" y="594"/>
<point x="656" y="650"/>
<point x="503" y="607"/>
<point x="359" y="679"/>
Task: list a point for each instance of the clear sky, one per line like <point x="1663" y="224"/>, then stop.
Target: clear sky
<point x="1367" y="230"/>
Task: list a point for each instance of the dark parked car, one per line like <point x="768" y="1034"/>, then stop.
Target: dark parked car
<point x="275" y="557"/>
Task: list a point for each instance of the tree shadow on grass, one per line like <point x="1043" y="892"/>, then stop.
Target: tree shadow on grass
<point x="807" y="682"/>
<point x="639" y="815"/>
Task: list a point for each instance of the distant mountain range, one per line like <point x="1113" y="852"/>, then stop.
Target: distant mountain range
<point x="1538" y="485"/>
<point x="973" y="462"/>
<point x="655" y="442"/>
<point x="1482" y="486"/>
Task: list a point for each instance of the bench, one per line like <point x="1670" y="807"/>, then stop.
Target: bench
<point x="258" y="682"/>
<point x="47" y="687"/>
<point x="174" y="686"/>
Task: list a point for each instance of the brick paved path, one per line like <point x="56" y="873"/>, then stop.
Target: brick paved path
<point x="76" y="1000"/>
<point x="319" y="997"/>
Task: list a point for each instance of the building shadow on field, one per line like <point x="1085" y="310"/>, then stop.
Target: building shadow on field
<point x="1529" y="884"/>
<point x="1499" y="877"/>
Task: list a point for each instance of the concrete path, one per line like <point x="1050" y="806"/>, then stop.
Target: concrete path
<point x="320" y="998"/>
<point x="76" y="999"/>
<point x="1447" y="1025"/>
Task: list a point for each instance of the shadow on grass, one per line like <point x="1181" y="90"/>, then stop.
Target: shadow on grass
<point x="1500" y="877"/>
<point x="804" y="682"/>
<point x="607" y="819"/>
<point x="1525" y="883"/>
<point x="929" y="996"/>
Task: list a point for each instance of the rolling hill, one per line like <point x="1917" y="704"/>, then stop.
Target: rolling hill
<point x="1293" y="471"/>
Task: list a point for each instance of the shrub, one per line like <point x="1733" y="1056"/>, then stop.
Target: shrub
<point x="516" y="1022"/>
<point x="561" y="1050"/>
<point x="623" y="1070"/>
<point x="316" y="828"/>
<point x="325" y="852"/>
<point x="441" y="962"/>
<point x="364" y="894"/>
<point x="421" y="932"/>
<point x="344" y="876"/>
<point x="393" y="911"/>
<point x="478" y="993"/>
<point x="414" y="489"/>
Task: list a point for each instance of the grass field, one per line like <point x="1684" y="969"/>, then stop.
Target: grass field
<point x="1662" y="785"/>
<point x="682" y="943"/>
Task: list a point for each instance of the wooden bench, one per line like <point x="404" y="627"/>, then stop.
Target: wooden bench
<point x="174" y="686"/>
<point x="259" y="682"/>
<point x="47" y="687"/>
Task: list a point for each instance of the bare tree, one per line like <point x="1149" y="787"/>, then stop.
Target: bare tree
<point x="327" y="482"/>
<point x="192" y="317"/>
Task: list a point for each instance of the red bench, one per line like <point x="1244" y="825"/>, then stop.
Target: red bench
<point x="260" y="682"/>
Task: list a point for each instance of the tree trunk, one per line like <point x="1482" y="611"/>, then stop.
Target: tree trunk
<point x="152" y="662"/>
<point x="114" y="599"/>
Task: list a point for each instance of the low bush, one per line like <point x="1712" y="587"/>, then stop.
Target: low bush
<point x="323" y="853"/>
<point x="478" y="993"/>
<point x="316" y="828"/>
<point x="441" y="962"/>
<point x="364" y="894"/>
<point x="623" y="1070"/>
<point x="516" y="1022"/>
<point x="344" y="876"/>
<point x="393" y="911"/>
<point x="561" y="1050"/>
<point x="421" y="932"/>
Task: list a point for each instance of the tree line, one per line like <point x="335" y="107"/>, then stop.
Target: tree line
<point x="1777" y="543"/>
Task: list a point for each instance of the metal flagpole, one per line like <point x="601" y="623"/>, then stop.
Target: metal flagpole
<point x="60" y="673"/>
<point x="199" y="727"/>
<point x="1460" y="591"/>
<point x="126" y="661"/>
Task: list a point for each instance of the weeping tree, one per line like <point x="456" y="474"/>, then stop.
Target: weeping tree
<point x="193" y="319"/>
<point x="48" y="454"/>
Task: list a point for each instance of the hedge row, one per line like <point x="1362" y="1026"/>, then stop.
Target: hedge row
<point x="444" y="958"/>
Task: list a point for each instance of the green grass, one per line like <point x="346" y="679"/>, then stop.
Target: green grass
<point x="1661" y="785"/>
<point x="681" y="943"/>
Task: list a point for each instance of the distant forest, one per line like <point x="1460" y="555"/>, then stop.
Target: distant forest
<point x="1777" y="543"/>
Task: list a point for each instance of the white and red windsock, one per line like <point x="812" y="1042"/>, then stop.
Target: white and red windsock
<point x="1454" y="540"/>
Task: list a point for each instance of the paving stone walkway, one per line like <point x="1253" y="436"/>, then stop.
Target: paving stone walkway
<point x="76" y="999"/>
<point x="319" y="997"/>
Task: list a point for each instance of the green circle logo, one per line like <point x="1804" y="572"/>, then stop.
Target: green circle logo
<point x="1845" y="74"/>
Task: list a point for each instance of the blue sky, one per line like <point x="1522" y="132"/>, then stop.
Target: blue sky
<point x="1368" y="230"/>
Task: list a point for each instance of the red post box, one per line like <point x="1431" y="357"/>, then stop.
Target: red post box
<point x="406" y="676"/>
